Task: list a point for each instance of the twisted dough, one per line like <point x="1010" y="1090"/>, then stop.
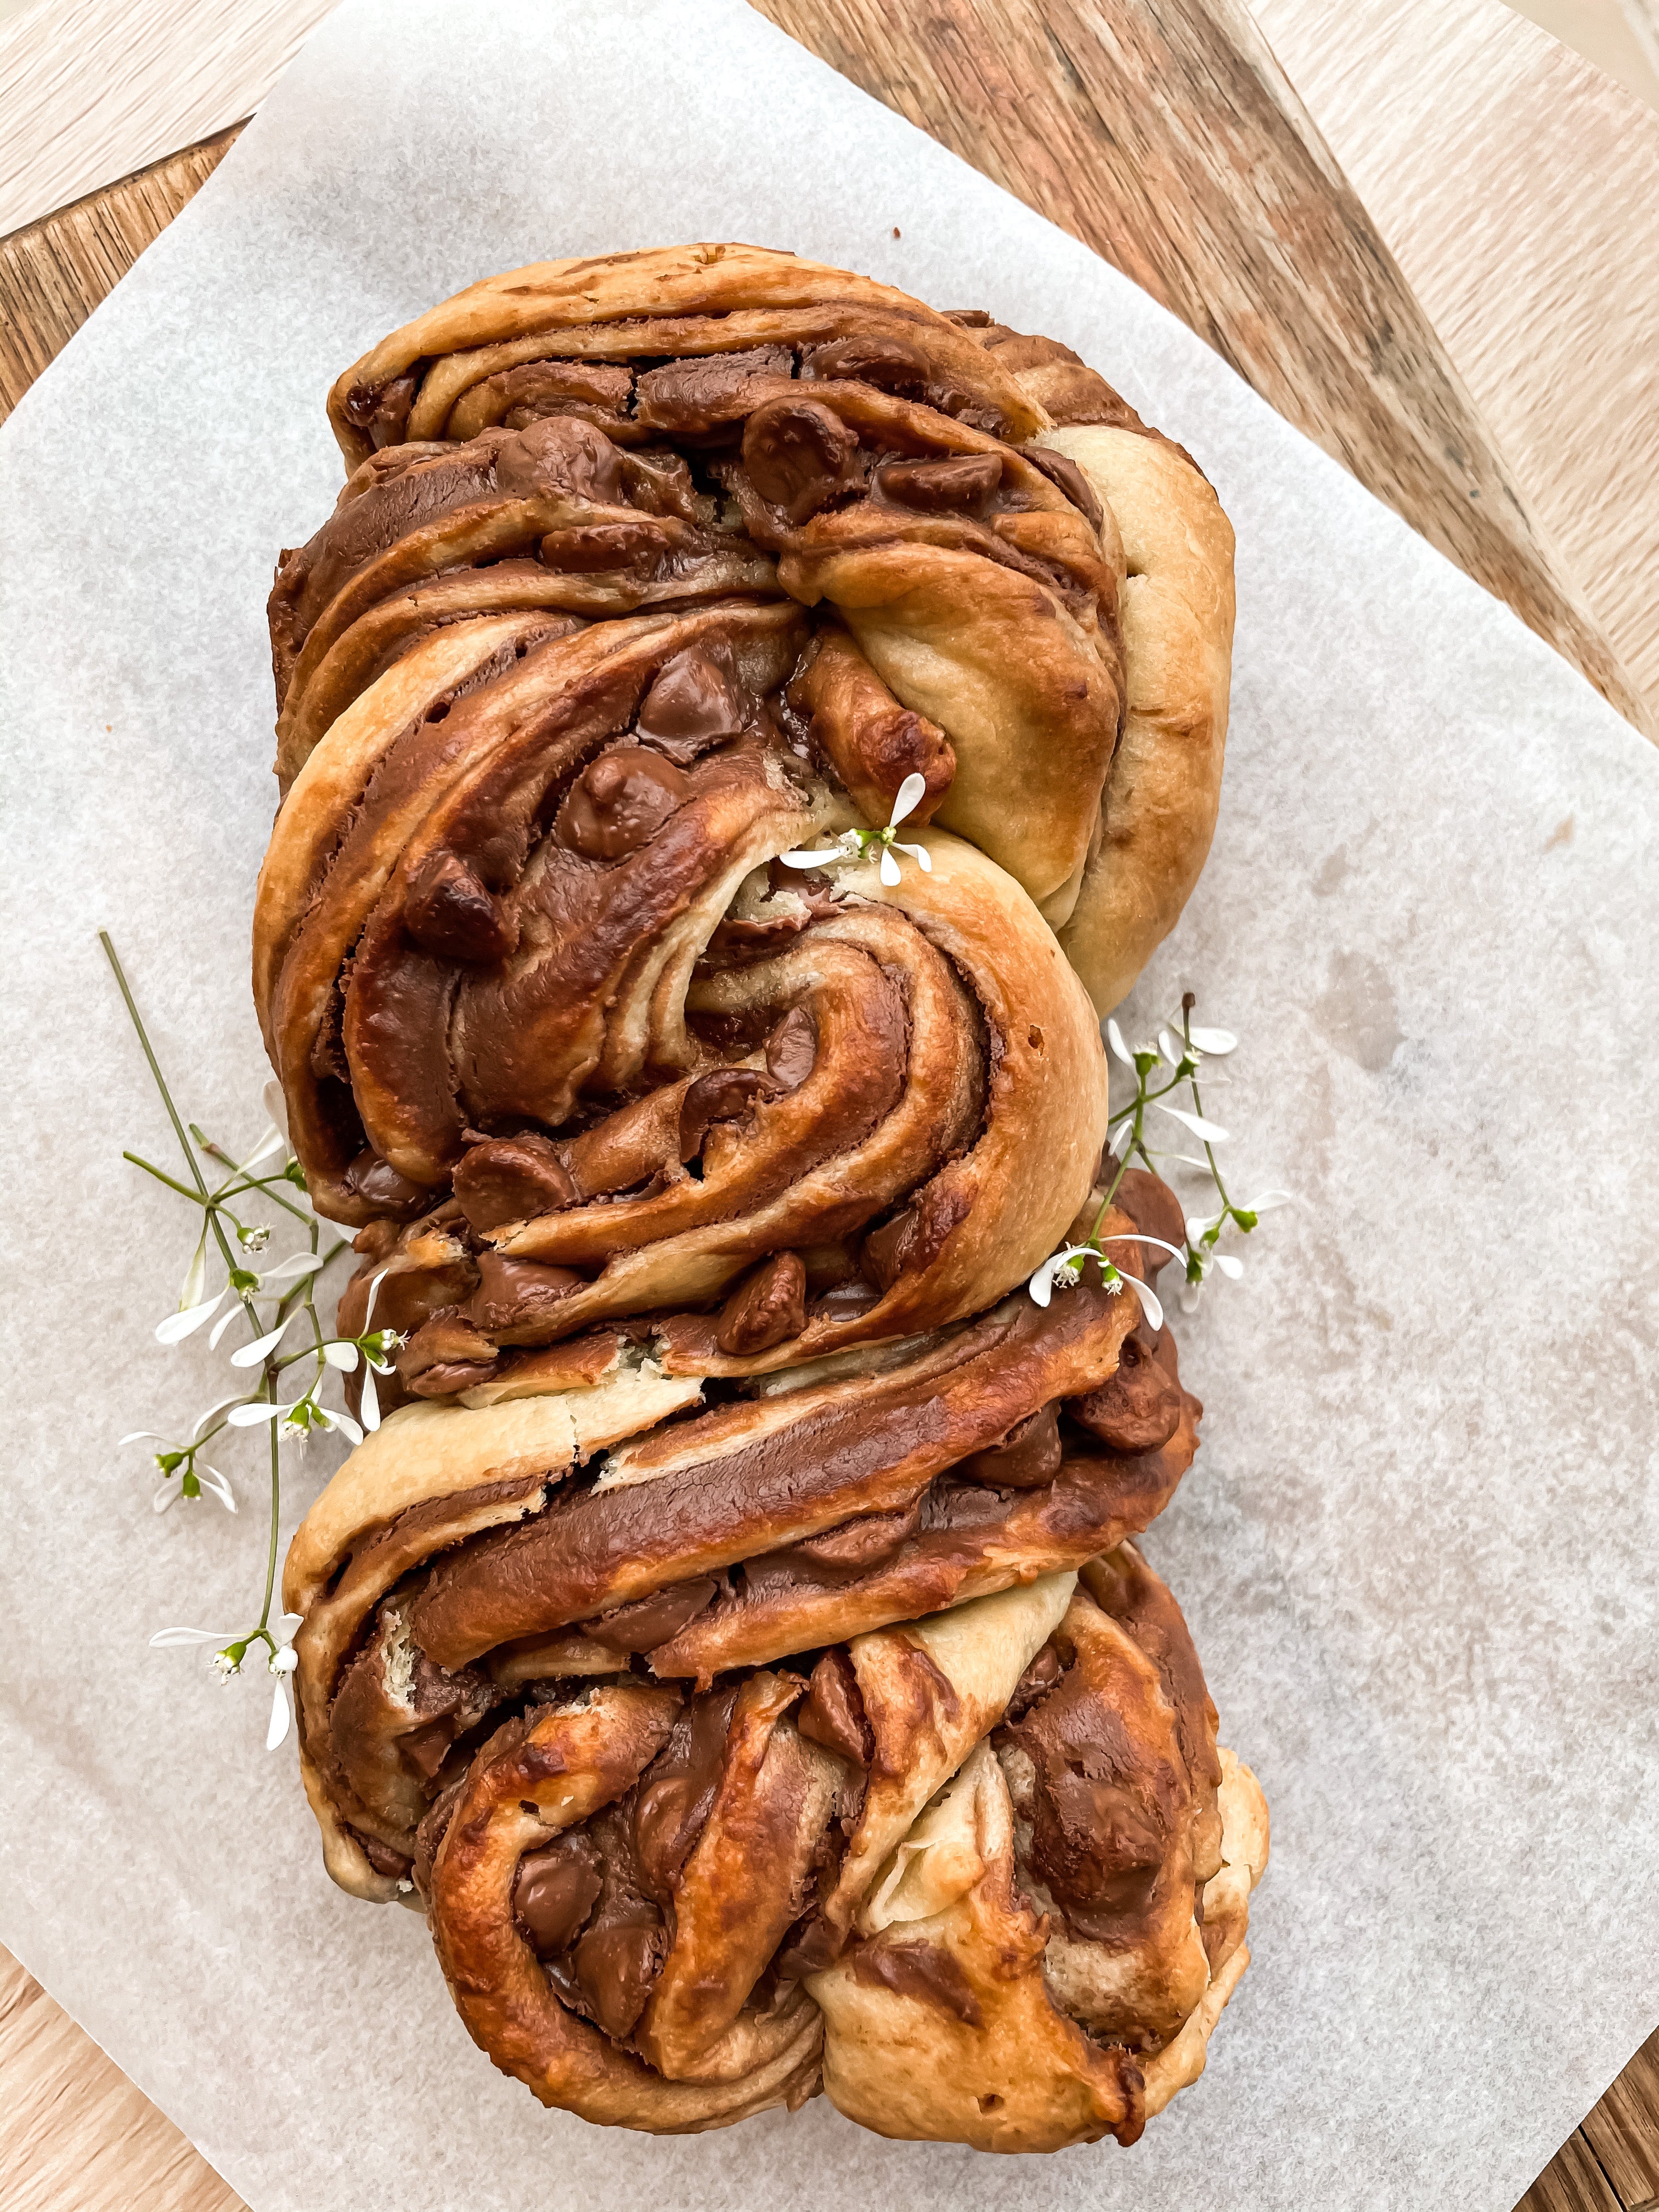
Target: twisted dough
<point x="1038" y="610"/>
<point x="625" y="1884"/>
<point x="1046" y="1954"/>
<point x="729" y="1635"/>
<point x="465" y="1554"/>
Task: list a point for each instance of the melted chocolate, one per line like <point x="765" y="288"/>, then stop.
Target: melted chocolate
<point x="926" y="1970"/>
<point x="833" y="1713"/>
<point x="963" y="485"/>
<point x="620" y="802"/>
<point x="676" y="1791"/>
<point x="1139" y="1409"/>
<point x="766" y="1308"/>
<point x="651" y="1620"/>
<point x="379" y="1184"/>
<point x="1095" y="1842"/>
<point x="799" y="454"/>
<point x="511" y="1179"/>
<point x="555" y="1890"/>
<point x="691" y="706"/>
<point x="516" y="1300"/>
<point x="1028" y="1458"/>
<point x="724" y="1094"/>
<point x="450" y="913"/>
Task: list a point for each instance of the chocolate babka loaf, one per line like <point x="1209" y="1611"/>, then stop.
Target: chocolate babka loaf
<point x="734" y="723"/>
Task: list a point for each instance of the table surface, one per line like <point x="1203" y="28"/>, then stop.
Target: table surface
<point x="1225" y="197"/>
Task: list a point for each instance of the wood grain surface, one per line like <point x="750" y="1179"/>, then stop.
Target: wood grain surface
<point x="1535" y="256"/>
<point x="54" y="273"/>
<point x="76" y="2136"/>
<point x="1163" y="134"/>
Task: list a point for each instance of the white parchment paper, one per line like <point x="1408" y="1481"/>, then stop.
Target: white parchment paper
<point x="1417" y="1547"/>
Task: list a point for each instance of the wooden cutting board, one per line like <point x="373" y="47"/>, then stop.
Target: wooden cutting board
<point x="1163" y="134"/>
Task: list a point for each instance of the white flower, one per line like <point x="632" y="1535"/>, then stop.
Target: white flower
<point x="853" y="844"/>
<point x="369" y="1404"/>
<point x="276" y="1107"/>
<point x="256" y="1238"/>
<point x="250" y="1355"/>
<point x="178" y="1325"/>
<point x="1115" y="1038"/>
<point x="281" y="1663"/>
<point x="291" y="1270"/>
<point x="249" y="1415"/>
<point x="1064" y="1270"/>
<point x="214" y="1484"/>
<point x="1211" y="1132"/>
<point x="1216" y="1043"/>
<point x="343" y="1356"/>
<point x="343" y="1422"/>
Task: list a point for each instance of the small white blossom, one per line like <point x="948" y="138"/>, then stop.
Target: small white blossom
<point x="854" y="844"/>
<point x="178" y="1325"/>
<point x="250" y="1355"/>
<point x="1211" y="1132"/>
<point x="255" y="1238"/>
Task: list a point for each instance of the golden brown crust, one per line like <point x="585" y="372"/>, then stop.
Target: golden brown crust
<point x="1176" y="609"/>
<point x="700" y="1169"/>
<point x="621" y="305"/>
<point x="1046" y="1956"/>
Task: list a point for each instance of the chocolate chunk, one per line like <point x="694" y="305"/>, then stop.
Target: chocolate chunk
<point x="1061" y="469"/>
<point x="384" y="1860"/>
<point x="516" y="1301"/>
<point x="616" y="1968"/>
<point x="1039" y="1678"/>
<point x="427" y="1748"/>
<point x="690" y="397"/>
<point x="619" y="802"/>
<point x="799" y="454"/>
<point x="792" y="1049"/>
<point x="692" y="706"/>
<point x="451" y="913"/>
<point x="834" y="1714"/>
<point x="891" y="364"/>
<point x="445" y="1355"/>
<point x="598" y="548"/>
<point x="379" y="1184"/>
<point x="511" y="1179"/>
<point x="1139" y="1409"/>
<point x="678" y="1791"/>
<point x="651" y="1620"/>
<point x="388" y="422"/>
<point x="843" y="1553"/>
<point x="1028" y="1458"/>
<point x="962" y="485"/>
<point x="720" y="1095"/>
<point x="554" y="1892"/>
<point x="561" y="455"/>
<point x="845" y="1301"/>
<point x="913" y="1240"/>
<point x="766" y="1308"/>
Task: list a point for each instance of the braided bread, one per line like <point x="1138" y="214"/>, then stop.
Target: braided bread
<point x="729" y="1635"/>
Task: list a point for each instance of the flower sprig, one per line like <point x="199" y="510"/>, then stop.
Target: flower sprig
<point x="1162" y="1070"/>
<point x="854" y="844"/>
<point x="271" y="1302"/>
